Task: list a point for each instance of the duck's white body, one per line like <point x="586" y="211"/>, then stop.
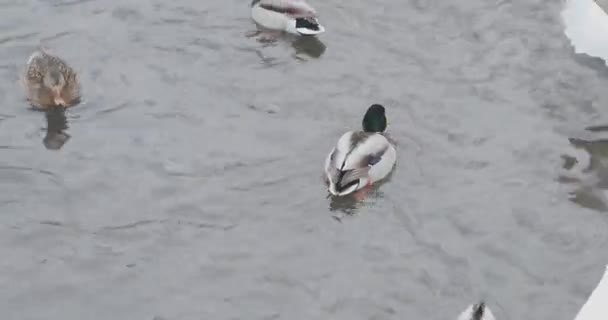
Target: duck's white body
<point x="586" y="23"/>
<point x="292" y="16"/>
<point x="596" y="307"/>
<point x="358" y="159"/>
<point x="477" y="311"/>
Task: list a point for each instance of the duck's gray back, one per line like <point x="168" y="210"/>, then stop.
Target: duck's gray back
<point x="357" y="138"/>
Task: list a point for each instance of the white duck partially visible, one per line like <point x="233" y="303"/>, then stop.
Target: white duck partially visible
<point x="292" y="16"/>
<point x="361" y="158"/>
<point x="477" y="311"/>
<point x="596" y="308"/>
<point x="586" y="25"/>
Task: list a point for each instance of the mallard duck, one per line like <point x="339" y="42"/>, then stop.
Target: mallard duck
<point x="360" y="158"/>
<point x="293" y="16"/>
<point x="477" y="311"/>
<point x="50" y="81"/>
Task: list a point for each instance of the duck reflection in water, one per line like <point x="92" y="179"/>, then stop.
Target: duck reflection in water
<point x="310" y="46"/>
<point x="343" y="206"/>
<point x="587" y="169"/>
<point x="348" y="206"/>
<point x="56" y="121"/>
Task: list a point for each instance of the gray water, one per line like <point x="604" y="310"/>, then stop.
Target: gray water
<point x="187" y="184"/>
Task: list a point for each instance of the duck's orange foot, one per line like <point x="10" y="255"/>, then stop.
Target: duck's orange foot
<point x="363" y="193"/>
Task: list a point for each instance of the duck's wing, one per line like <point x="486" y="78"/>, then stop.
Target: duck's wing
<point x="35" y="68"/>
<point x="40" y="62"/>
<point x="354" y="156"/>
<point x="365" y="150"/>
<point x="336" y="159"/>
<point x="71" y="91"/>
<point x="294" y="8"/>
<point x="58" y="63"/>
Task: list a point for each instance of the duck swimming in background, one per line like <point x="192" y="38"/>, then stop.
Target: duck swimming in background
<point x="292" y="16"/>
<point x="477" y="311"/>
<point x="49" y="81"/>
<point x="361" y="158"/>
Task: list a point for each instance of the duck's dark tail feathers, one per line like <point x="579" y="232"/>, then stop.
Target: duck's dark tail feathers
<point x="308" y="23"/>
<point x="478" y="311"/>
<point x="308" y="26"/>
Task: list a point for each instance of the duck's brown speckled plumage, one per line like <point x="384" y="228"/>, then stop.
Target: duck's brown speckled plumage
<point x="40" y="64"/>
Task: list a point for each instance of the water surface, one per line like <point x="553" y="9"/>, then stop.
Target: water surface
<point x="187" y="184"/>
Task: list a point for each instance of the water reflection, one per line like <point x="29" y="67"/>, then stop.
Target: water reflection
<point x="57" y="123"/>
<point x="342" y="206"/>
<point x="587" y="26"/>
<point x="310" y="46"/>
<point x="587" y="170"/>
<point x="349" y="205"/>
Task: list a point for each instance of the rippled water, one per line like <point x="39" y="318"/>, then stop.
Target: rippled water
<point x="187" y="185"/>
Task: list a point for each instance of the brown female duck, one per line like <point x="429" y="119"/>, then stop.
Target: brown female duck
<point x="49" y="81"/>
